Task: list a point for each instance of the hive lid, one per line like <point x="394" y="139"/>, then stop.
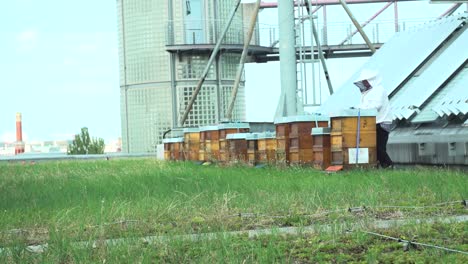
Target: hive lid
<point x="208" y="128"/>
<point x="321" y="131"/>
<point x="233" y="125"/>
<point x="173" y="140"/>
<point x="302" y="118"/>
<point x="191" y="129"/>
<point x="267" y="134"/>
<point x="253" y="136"/>
<point x="237" y="136"/>
<point x="354" y="113"/>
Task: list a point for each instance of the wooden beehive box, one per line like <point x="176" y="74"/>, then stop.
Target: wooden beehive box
<point x="224" y="130"/>
<point x="267" y="147"/>
<point x="343" y="138"/>
<point x="282" y="140"/>
<point x="173" y="148"/>
<point x="209" y="143"/>
<point x="191" y="143"/>
<point x="321" y="148"/>
<point x="237" y="145"/>
<point x="252" y="148"/>
<point x="300" y="138"/>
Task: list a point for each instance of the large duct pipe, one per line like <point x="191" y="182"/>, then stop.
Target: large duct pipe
<point x="19" y="146"/>
<point x="287" y="52"/>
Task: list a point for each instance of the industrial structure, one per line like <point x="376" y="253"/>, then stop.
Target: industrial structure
<point x="180" y="60"/>
<point x="164" y="47"/>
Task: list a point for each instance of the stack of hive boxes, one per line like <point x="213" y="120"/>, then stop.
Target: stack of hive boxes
<point x="237" y="147"/>
<point x="267" y="147"/>
<point x="209" y="143"/>
<point x="252" y="148"/>
<point x="191" y="143"/>
<point x="282" y="141"/>
<point x="353" y="138"/>
<point x="300" y="139"/>
<point x="226" y="129"/>
<point x="321" y="147"/>
<point x="173" y="148"/>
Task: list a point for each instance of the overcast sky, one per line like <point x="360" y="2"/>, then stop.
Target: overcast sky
<point x="59" y="67"/>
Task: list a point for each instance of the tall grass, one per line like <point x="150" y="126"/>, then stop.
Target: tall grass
<point x="61" y="193"/>
<point x="183" y="197"/>
<point x="63" y="202"/>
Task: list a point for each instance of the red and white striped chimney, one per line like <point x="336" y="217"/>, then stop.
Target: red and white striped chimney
<point x="19" y="146"/>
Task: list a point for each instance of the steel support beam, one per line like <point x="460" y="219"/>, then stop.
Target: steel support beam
<point x="207" y="68"/>
<point x="366" y="23"/>
<point x="240" y="68"/>
<point x="356" y="24"/>
<point x="320" y="53"/>
<point x="452" y="9"/>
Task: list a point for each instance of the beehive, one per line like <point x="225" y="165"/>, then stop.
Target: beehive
<point x="267" y="147"/>
<point x="209" y="143"/>
<point x="237" y="147"/>
<point x="191" y="143"/>
<point x="300" y="138"/>
<point x="344" y="137"/>
<point x="226" y="129"/>
<point x="173" y="148"/>
<point x="321" y="147"/>
<point x="282" y="140"/>
<point x="252" y="148"/>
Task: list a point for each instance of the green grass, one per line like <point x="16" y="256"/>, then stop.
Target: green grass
<point x="68" y="201"/>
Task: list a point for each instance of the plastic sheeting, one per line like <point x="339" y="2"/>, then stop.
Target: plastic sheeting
<point x="396" y="60"/>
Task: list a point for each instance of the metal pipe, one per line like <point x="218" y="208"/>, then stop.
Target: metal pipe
<point x="367" y="22"/>
<point x="124" y="55"/>
<point x="287" y="53"/>
<point x="240" y="68"/>
<point x="320" y="53"/>
<point x="359" y="28"/>
<point x="334" y="2"/>
<point x="207" y="68"/>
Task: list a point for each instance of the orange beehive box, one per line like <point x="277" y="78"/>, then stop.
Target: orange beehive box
<point x="191" y="143"/>
<point x="209" y="143"/>
<point x="321" y="148"/>
<point x="237" y="146"/>
<point x="345" y="126"/>
<point x="300" y="138"/>
<point x="252" y="148"/>
<point x="224" y="130"/>
<point x="173" y="148"/>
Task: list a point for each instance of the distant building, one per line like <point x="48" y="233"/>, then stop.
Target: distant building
<point x="164" y="46"/>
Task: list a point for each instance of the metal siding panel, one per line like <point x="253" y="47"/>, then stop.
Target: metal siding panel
<point x="456" y="99"/>
<point x="444" y="65"/>
<point x="396" y="60"/>
<point x="456" y="88"/>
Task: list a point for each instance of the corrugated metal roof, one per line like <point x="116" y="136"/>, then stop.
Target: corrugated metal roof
<point x="455" y="102"/>
<point x="453" y="96"/>
<point x="396" y="60"/>
<point x="412" y="96"/>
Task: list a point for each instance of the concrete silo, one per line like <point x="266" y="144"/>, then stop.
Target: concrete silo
<point x="164" y="45"/>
